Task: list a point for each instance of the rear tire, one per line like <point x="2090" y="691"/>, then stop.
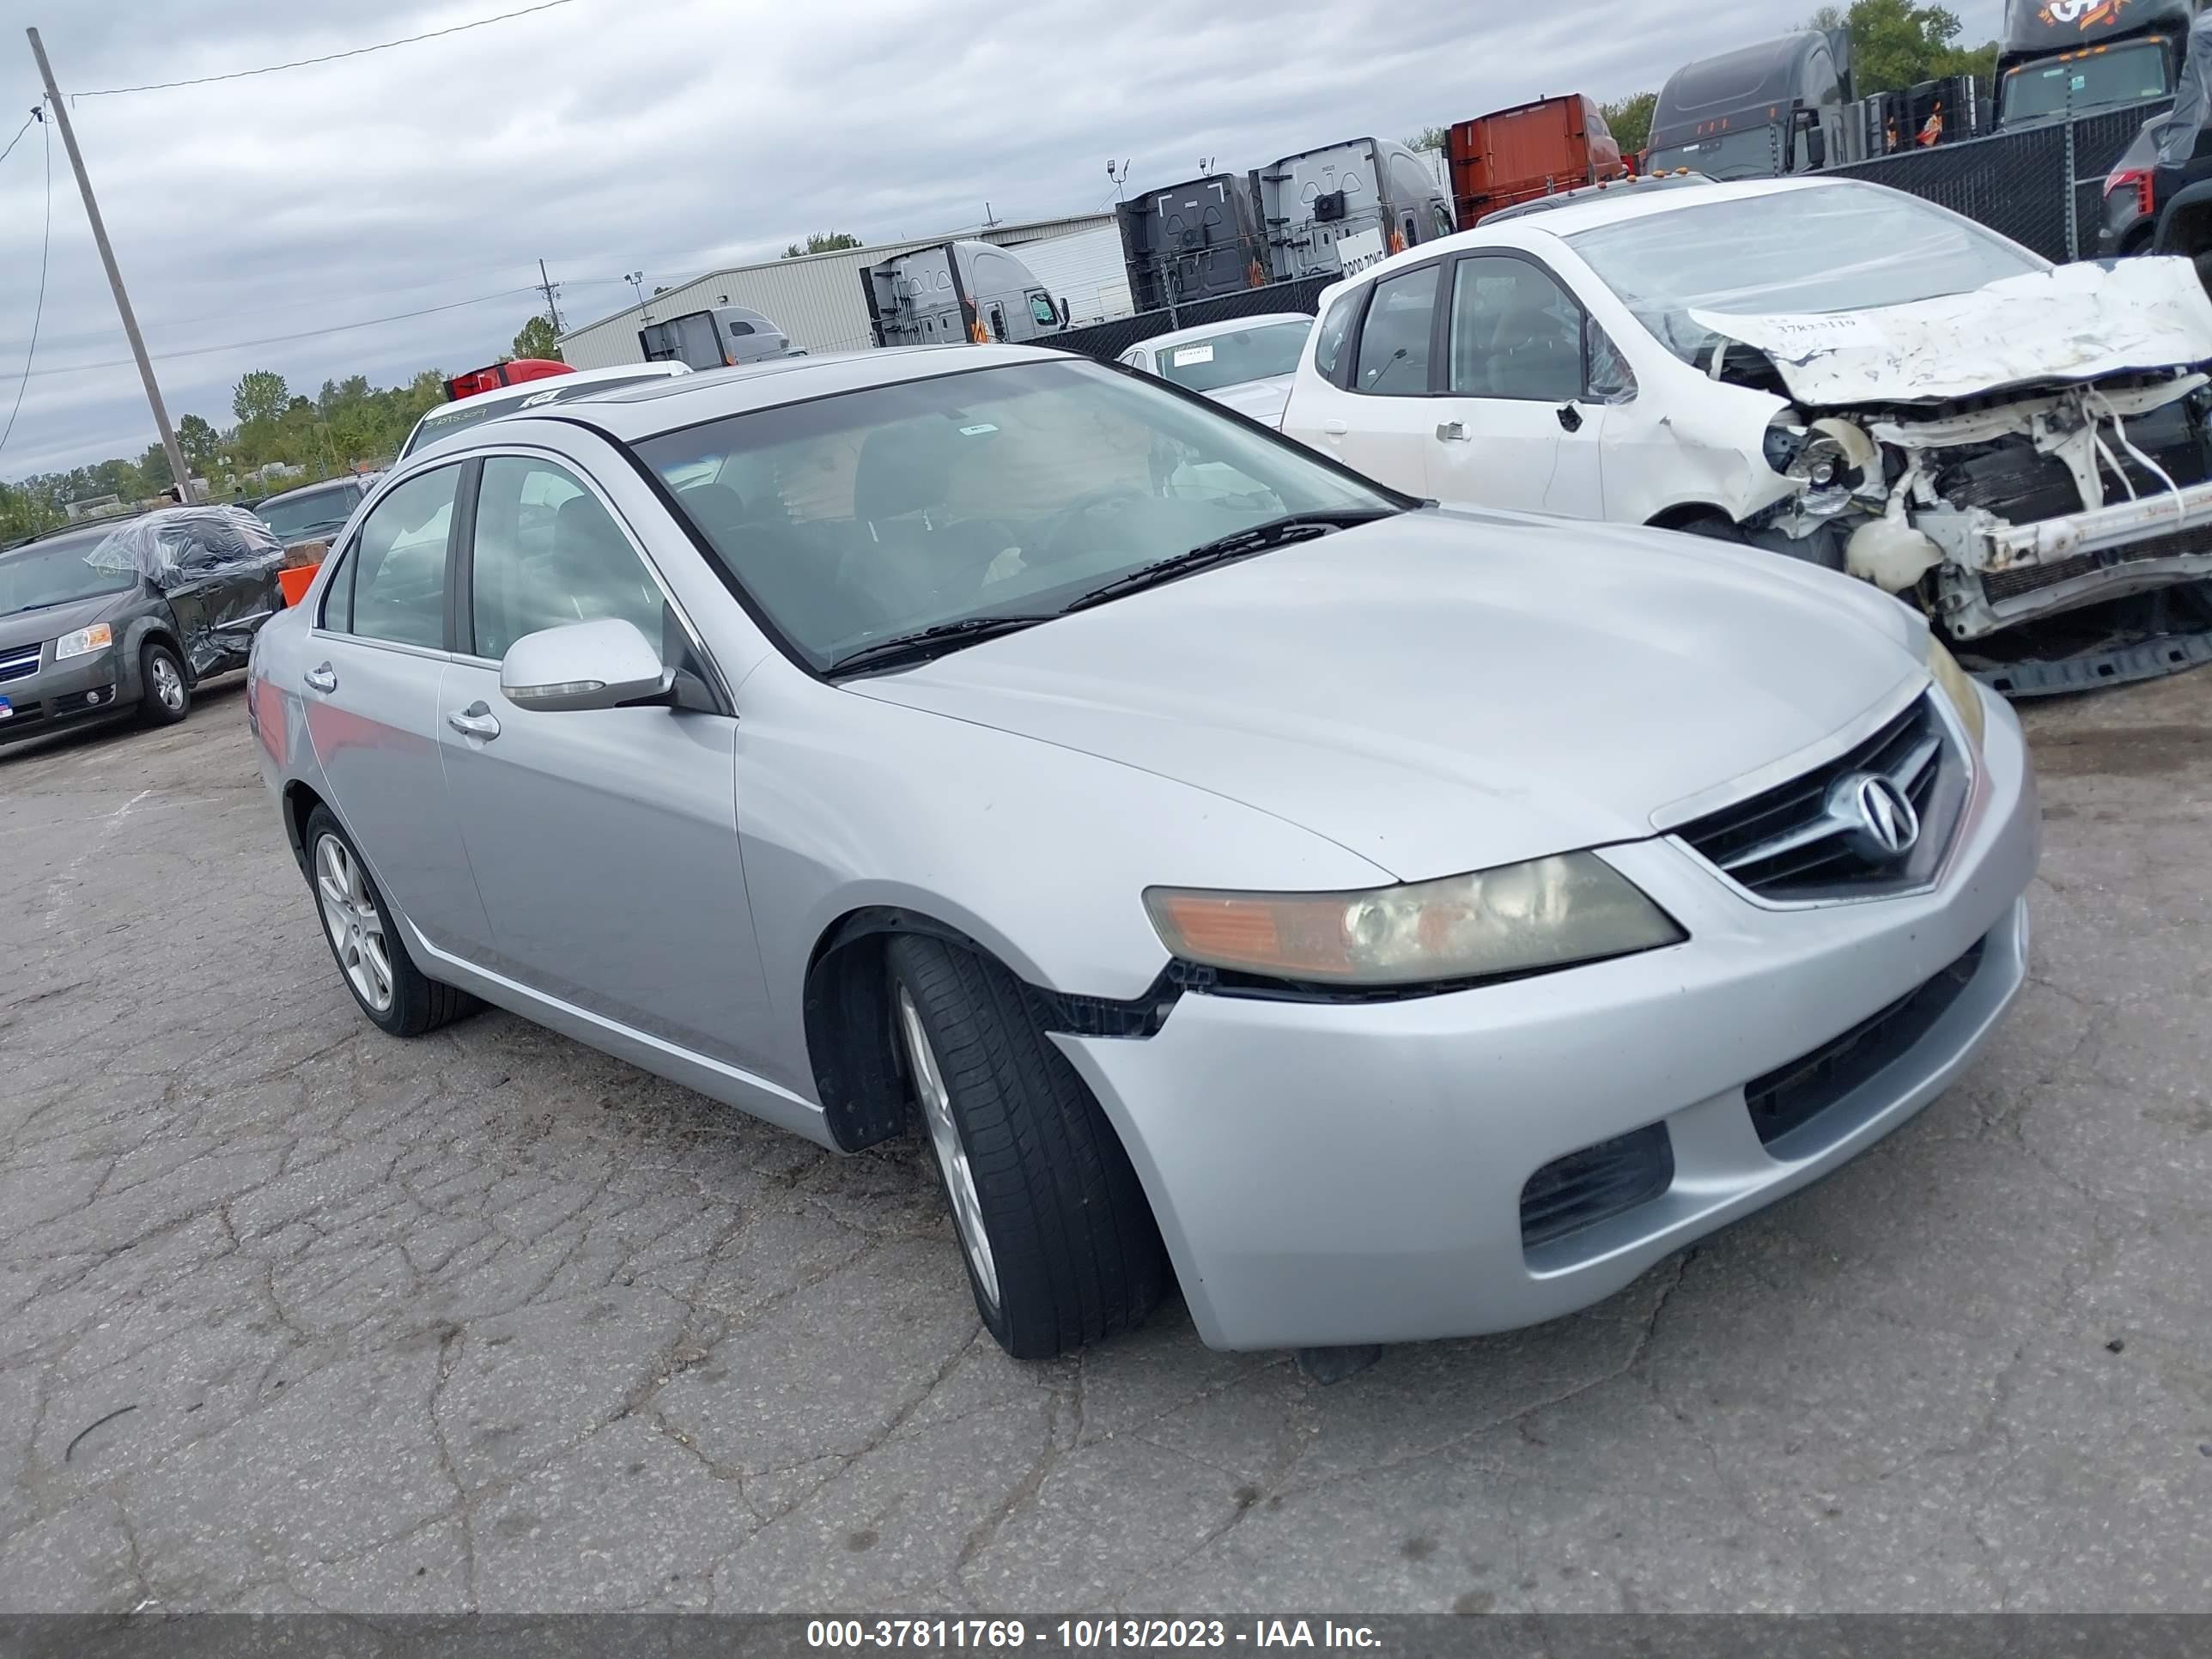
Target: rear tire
<point x="1060" y="1244"/>
<point x="166" y="694"/>
<point x="398" y="999"/>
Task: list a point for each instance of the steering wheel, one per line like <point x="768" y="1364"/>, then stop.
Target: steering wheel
<point x="1061" y="543"/>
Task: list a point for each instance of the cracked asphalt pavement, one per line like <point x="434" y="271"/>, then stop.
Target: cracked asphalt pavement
<point x="295" y="1316"/>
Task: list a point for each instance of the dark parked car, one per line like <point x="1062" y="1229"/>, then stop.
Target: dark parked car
<point x="316" y="512"/>
<point x="117" y="618"/>
<point x="2158" y="197"/>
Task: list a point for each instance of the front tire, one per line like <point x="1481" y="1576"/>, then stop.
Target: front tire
<point x="372" y="959"/>
<point x="1060" y="1244"/>
<point x="167" y="695"/>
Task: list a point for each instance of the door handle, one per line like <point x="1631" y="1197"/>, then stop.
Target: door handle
<point x="476" y="720"/>
<point x="1335" y="428"/>
<point x="321" y="680"/>
<point x="1453" y="432"/>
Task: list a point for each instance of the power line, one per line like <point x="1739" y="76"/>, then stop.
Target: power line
<point x="327" y="58"/>
<point x="283" y="339"/>
<point x="39" y="311"/>
<point x="20" y="132"/>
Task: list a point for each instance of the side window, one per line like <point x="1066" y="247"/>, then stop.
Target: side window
<point x="399" y="563"/>
<point x="1611" y="380"/>
<point x="1394" y="345"/>
<point x="337" y="597"/>
<point x="1515" y="333"/>
<point x="739" y="328"/>
<point x="547" y="553"/>
<point x="1330" y="361"/>
<point x="1041" y="309"/>
<point x="1444" y="226"/>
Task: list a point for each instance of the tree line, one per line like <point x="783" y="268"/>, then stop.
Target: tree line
<point x="277" y="439"/>
<point x="1895" y="43"/>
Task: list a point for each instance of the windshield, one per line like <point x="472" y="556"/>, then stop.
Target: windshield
<point x="1750" y="154"/>
<point x="1011" y="491"/>
<point x="1235" y="356"/>
<point x="55" y="573"/>
<point x="2131" y="74"/>
<point x="296" y="516"/>
<point x="1830" y="248"/>
<point x="474" y="411"/>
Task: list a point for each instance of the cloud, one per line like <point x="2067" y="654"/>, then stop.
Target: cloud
<point x="608" y="136"/>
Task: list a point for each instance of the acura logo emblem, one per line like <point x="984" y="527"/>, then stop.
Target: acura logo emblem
<point x="1874" y="812"/>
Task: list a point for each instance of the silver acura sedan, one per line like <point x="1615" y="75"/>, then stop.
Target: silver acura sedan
<point x="1390" y="922"/>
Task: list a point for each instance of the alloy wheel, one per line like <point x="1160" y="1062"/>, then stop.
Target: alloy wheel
<point x="355" y="924"/>
<point x="168" y="683"/>
<point x="944" y="1139"/>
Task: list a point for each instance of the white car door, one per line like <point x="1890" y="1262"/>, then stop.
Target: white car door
<point x="1516" y="424"/>
<point x="1366" y="400"/>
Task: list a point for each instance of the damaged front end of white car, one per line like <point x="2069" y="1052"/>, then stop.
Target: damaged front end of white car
<point x="2004" y="455"/>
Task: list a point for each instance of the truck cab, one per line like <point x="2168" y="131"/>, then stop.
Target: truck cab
<point x="957" y="293"/>
<point x="721" y="337"/>
<point x="2068" y="57"/>
<point x="1340" y="208"/>
<point x="1761" y="112"/>
<point x="1192" y="241"/>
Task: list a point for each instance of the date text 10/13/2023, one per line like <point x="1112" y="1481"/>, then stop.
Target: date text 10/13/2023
<point x="1085" y="1635"/>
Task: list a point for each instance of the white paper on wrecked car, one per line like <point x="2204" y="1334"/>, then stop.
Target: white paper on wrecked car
<point x="2079" y="322"/>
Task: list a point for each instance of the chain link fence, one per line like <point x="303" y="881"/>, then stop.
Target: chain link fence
<point x="2043" y="186"/>
<point x="1107" y="341"/>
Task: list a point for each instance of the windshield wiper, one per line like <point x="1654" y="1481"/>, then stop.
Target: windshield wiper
<point x="1275" y="532"/>
<point x="47" y="604"/>
<point x="925" y="643"/>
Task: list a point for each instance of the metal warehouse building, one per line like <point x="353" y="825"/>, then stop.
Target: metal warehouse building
<point x="815" y="298"/>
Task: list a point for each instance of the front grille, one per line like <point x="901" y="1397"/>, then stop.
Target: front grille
<point x="1585" y="1187"/>
<point x="2017" y="485"/>
<point x="1791" y="1096"/>
<point x="19" y="665"/>
<point x="1800" y="841"/>
<point x="1998" y="585"/>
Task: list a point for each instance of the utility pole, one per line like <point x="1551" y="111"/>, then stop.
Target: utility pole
<point x="545" y="283"/>
<point x="60" y="110"/>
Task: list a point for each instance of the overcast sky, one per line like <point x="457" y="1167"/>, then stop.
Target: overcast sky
<point x="605" y="136"/>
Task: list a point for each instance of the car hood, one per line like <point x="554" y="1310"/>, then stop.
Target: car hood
<point x="1448" y="690"/>
<point x="35" y="627"/>
<point x="1262" y="401"/>
<point x="2072" y="323"/>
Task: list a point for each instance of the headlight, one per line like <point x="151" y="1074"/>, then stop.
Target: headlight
<point x="1519" y="919"/>
<point x="1958" y="685"/>
<point x="84" y="641"/>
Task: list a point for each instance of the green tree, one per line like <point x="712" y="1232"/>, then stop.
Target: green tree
<point x="1629" y="120"/>
<point x="536" y="339"/>
<point x="260" y="396"/>
<point x="822" y="241"/>
<point x="198" y="439"/>
<point x="155" y="467"/>
<point x="1429" y="138"/>
<point x="1896" y="44"/>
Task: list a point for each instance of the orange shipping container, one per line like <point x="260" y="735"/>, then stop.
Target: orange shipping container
<point x="1514" y="156"/>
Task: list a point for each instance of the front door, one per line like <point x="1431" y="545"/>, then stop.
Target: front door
<point x="604" y="841"/>
<point x="1516" y="425"/>
<point x="371" y="699"/>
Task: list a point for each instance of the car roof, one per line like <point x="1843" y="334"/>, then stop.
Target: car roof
<point x="349" y="480"/>
<point x="644" y="411"/>
<point x="1212" y="331"/>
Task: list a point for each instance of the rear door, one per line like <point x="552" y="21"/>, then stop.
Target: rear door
<point x="1372" y="406"/>
<point x="370" y="695"/>
<point x="1514" y="425"/>
<point x="604" y="841"/>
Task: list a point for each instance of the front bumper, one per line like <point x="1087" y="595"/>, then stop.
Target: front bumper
<point x="76" y="691"/>
<point x="1334" y="1174"/>
<point x="2020" y="572"/>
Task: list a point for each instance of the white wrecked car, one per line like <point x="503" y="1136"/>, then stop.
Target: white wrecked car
<point x="1828" y="368"/>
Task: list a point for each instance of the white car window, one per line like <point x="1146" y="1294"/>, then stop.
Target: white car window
<point x="398" y="566"/>
<point x="1515" y="333"/>
<point x="1335" y="329"/>
<point x="1393" y="344"/>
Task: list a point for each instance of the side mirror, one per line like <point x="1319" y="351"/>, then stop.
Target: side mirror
<point x="1816" y="147"/>
<point x="593" y="664"/>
